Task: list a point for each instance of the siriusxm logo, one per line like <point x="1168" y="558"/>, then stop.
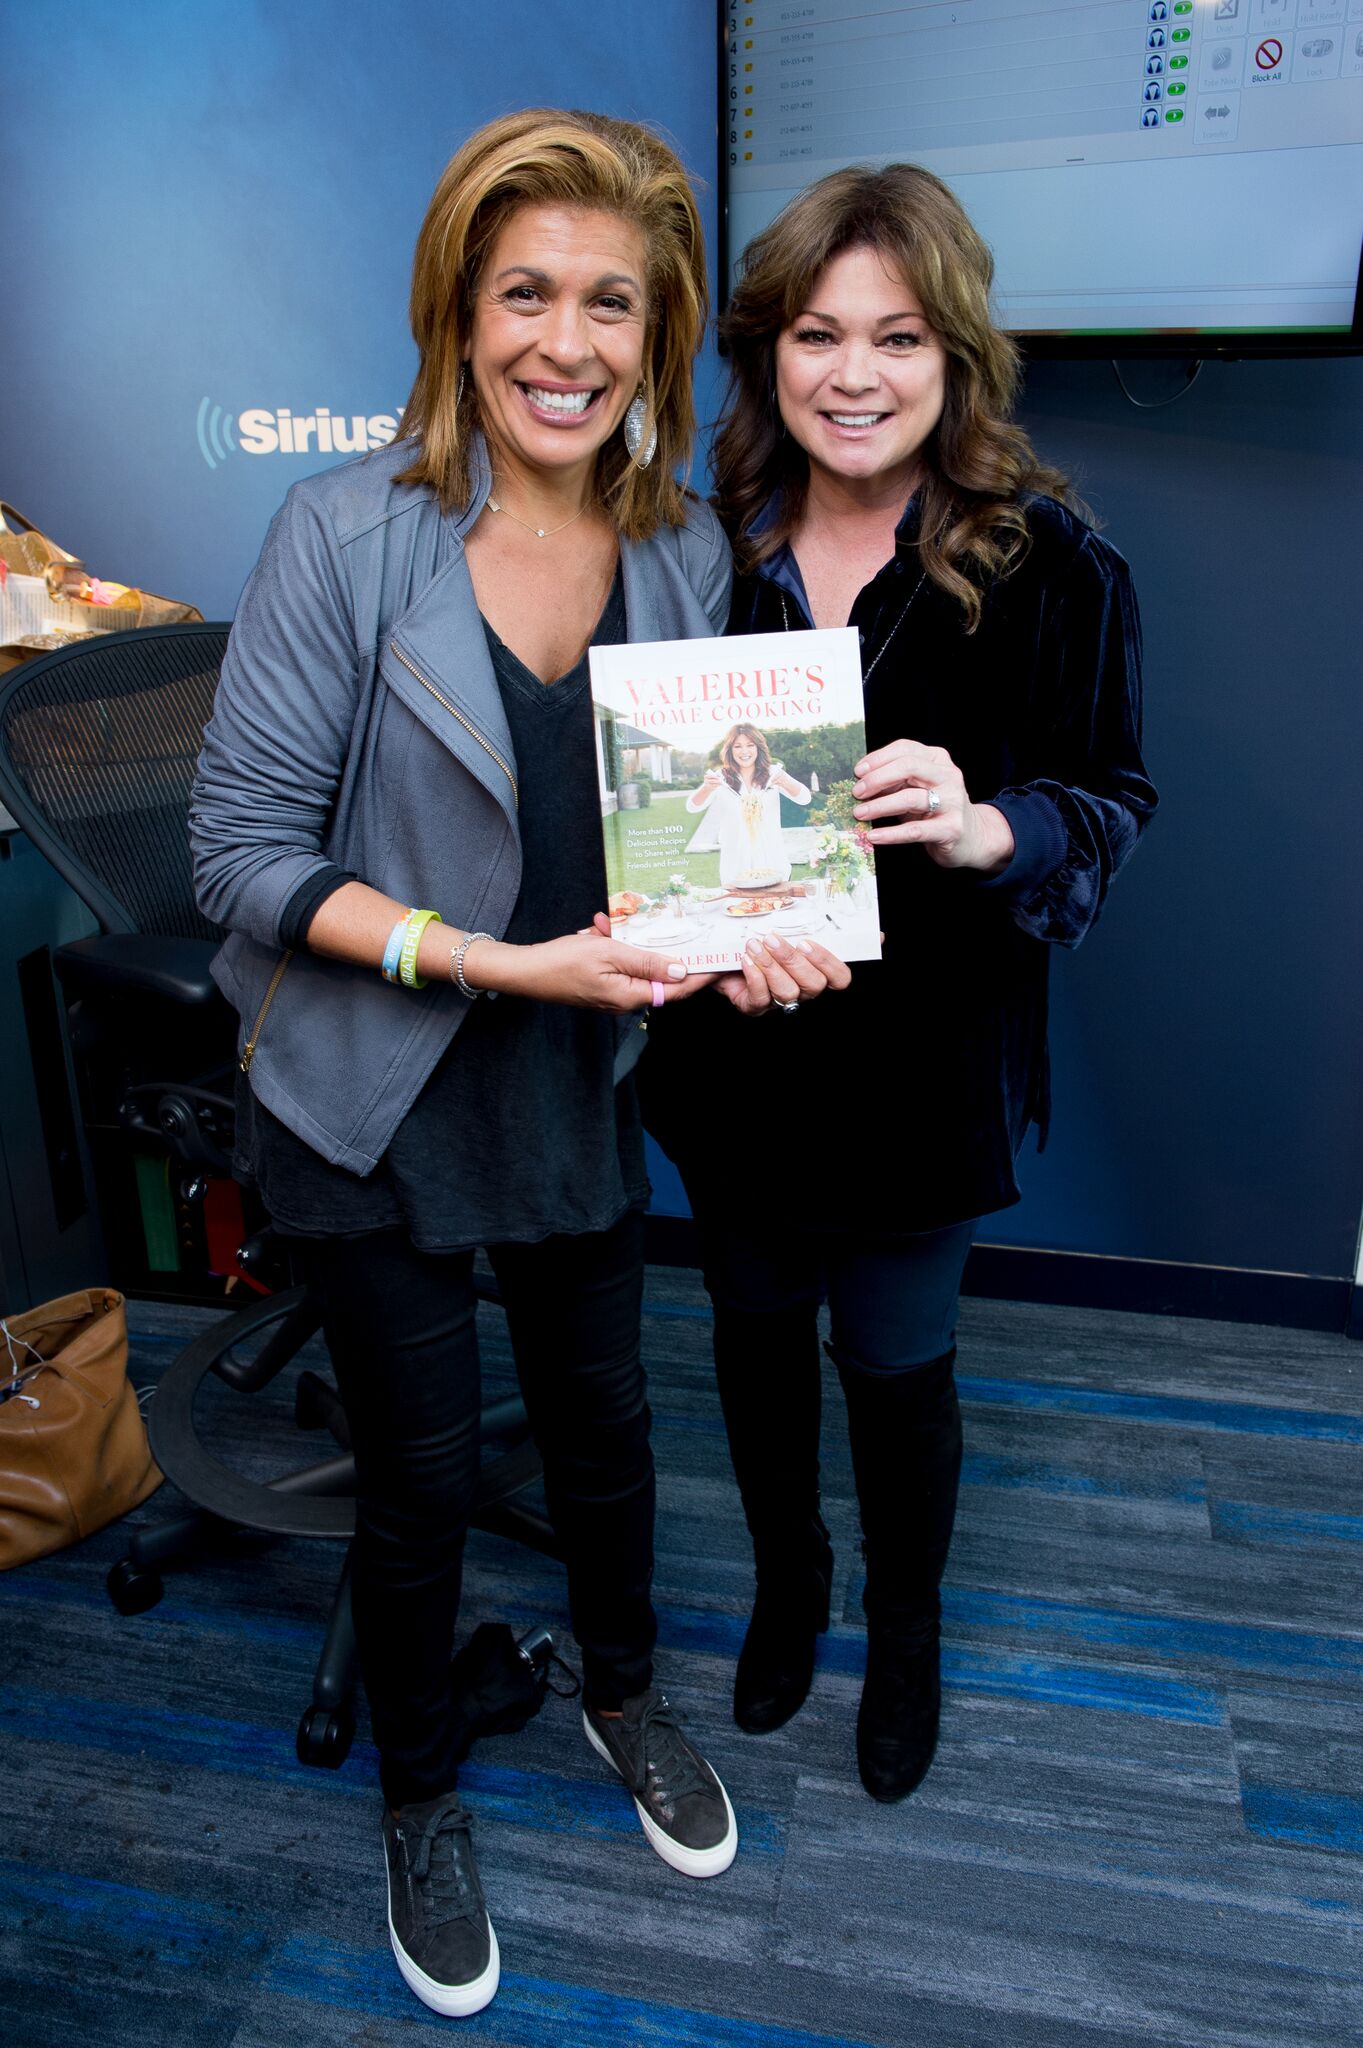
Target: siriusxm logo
<point x="258" y="431"/>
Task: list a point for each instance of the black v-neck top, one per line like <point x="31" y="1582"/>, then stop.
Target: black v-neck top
<point x="521" y="1132"/>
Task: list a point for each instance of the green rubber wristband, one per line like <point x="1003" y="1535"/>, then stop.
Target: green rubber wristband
<point x="411" y="940"/>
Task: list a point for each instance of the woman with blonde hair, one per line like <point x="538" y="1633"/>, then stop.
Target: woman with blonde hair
<point x="396" y="819"/>
<point x="869" y="474"/>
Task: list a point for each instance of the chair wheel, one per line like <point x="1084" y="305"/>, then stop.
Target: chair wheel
<point x="324" y="1737"/>
<point x="132" y="1590"/>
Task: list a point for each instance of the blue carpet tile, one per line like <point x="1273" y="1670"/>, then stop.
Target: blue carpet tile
<point x="1144" y="1824"/>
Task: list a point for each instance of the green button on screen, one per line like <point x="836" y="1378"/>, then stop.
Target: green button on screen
<point x="1174" y="114"/>
<point x="1180" y="35"/>
<point x="1178" y="63"/>
<point x="1175" y="90"/>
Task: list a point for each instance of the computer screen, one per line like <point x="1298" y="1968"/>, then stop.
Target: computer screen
<point x="1158" y="173"/>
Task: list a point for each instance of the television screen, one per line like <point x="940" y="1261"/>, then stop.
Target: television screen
<point x="1183" y="174"/>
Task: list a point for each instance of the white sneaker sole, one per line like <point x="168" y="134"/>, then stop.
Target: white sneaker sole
<point x="452" y="2001"/>
<point x="690" y="1862"/>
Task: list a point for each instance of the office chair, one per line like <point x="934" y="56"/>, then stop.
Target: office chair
<point x="98" y="743"/>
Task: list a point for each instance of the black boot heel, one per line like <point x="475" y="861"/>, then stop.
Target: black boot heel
<point x="901" y="1706"/>
<point x="905" y="1433"/>
<point x="792" y="1610"/>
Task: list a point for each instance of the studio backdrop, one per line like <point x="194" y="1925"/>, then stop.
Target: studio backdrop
<point x="209" y="220"/>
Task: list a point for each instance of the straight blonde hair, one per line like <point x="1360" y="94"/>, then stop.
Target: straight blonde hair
<point x="547" y="157"/>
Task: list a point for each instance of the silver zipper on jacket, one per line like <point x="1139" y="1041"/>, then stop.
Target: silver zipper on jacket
<point x="454" y="713"/>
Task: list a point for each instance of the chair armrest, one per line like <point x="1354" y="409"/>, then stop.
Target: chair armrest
<point x="136" y="963"/>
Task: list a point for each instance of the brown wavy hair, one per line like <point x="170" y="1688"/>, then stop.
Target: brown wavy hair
<point x="761" y="773"/>
<point x="547" y="157"/>
<point x="978" y="466"/>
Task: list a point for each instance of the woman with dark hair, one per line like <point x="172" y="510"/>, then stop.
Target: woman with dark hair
<point x="396" y="818"/>
<point x="868" y="474"/>
<point x="742" y="797"/>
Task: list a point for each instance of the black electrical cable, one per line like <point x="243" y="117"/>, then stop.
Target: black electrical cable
<point x="1155" y="404"/>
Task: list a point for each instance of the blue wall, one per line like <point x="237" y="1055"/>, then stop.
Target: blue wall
<point x="219" y="202"/>
<point x="1207" y="1041"/>
<point x="219" y="205"/>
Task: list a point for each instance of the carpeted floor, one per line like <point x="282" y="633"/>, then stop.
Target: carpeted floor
<point x="1145" y="1822"/>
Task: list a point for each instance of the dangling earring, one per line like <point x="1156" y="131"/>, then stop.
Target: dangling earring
<point x="636" y="419"/>
<point x="459" y="388"/>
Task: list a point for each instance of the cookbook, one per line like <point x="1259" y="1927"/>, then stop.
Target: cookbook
<point x="725" y="770"/>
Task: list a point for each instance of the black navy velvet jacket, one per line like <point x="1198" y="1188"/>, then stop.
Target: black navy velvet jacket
<point x="916" y="1087"/>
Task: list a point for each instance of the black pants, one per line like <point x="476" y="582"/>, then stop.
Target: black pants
<point x="893" y="1301"/>
<point x="399" y="1324"/>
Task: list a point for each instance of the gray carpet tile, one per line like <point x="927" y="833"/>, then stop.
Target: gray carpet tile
<point x="1145" y="1822"/>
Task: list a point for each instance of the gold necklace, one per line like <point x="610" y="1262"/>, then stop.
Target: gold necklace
<point x="540" y="532"/>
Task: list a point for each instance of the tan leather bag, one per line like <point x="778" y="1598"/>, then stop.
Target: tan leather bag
<point x="73" y="1445"/>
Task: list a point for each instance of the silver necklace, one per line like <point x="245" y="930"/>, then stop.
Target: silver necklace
<point x="875" y="658"/>
<point x="540" y="532"/>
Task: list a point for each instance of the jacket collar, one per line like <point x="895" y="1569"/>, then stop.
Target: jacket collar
<point x="782" y="569"/>
<point x="461" y="523"/>
<point x="436" y="657"/>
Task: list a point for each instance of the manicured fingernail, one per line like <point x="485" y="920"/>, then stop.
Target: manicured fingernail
<point x="776" y="943"/>
<point x="755" y="947"/>
<point x="800" y="945"/>
<point x="676" y="970"/>
<point x="858" y="789"/>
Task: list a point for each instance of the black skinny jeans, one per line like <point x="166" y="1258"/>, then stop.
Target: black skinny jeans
<point x="399" y="1324"/>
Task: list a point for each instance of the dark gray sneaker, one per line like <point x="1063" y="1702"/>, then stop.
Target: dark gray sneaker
<point x="684" y="1809"/>
<point x="438" y="1924"/>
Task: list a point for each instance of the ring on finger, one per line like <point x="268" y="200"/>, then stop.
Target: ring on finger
<point x="934" y="798"/>
<point x="787" y="1007"/>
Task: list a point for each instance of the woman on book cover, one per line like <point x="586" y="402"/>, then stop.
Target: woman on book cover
<point x="869" y="474"/>
<point x="742" y="798"/>
<point x="396" y="819"/>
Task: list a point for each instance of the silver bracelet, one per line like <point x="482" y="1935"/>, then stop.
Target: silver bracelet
<point x="457" y="966"/>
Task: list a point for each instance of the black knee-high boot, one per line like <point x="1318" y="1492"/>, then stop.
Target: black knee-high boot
<point x="767" y="1369"/>
<point x="905" y="1432"/>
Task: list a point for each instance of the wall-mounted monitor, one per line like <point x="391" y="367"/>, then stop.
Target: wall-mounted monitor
<point x="1153" y="176"/>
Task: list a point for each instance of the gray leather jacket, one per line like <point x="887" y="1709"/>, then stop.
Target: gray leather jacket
<point x="358" y="721"/>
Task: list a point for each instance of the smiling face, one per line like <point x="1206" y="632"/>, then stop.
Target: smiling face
<point x="745" y="752"/>
<point x="861" y="376"/>
<point x="557" y="345"/>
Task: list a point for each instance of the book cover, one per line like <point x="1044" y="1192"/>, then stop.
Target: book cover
<point x="725" y="770"/>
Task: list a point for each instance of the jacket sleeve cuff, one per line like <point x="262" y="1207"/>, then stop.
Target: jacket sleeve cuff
<point x="1040" y="842"/>
<point x="306" y="900"/>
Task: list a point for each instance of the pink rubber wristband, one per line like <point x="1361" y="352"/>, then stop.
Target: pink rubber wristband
<point x="659" y="994"/>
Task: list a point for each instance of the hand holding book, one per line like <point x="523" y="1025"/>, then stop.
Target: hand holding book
<point x="777" y="971"/>
<point x="773" y="971"/>
<point x="911" y="795"/>
<point x="587" y="970"/>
